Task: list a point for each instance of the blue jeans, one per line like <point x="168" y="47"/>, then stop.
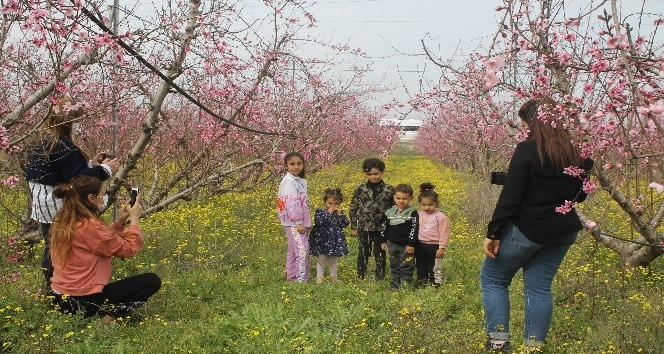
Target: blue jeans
<point x="540" y="264"/>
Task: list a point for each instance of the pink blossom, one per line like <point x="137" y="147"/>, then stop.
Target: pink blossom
<point x="493" y="64"/>
<point x="39" y="41"/>
<point x="564" y="209"/>
<point x="591" y="224"/>
<point x="11" y="8"/>
<point x="656" y="108"/>
<point x="542" y="79"/>
<point x="589" y="187"/>
<point x="564" y="57"/>
<point x="656" y="186"/>
<point x="617" y="43"/>
<point x="104" y="40"/>
<point x="608" y="166"/>
<point x="572" y="22"/>
<point x="613" y="42"/>
<point x="491" y="79"/>
<point x="644" y="111"/>
<point x="600" y="65"/>
<point x="39" y="13"/>
<point x="69" y="12"/>
<point x="574" y="171"/>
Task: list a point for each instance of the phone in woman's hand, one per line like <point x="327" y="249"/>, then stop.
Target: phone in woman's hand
<point x="132" y="196"/>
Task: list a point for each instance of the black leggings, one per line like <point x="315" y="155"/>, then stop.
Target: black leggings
<point x="47" y="267"/>
<point x="425" y="259"/>
<point x="117" y="299"/>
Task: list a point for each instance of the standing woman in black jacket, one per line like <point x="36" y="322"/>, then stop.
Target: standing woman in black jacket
<point x="55" y="159"/>
<point x="533" y="225"/>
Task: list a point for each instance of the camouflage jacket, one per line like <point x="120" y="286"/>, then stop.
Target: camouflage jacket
<point x="368" y="210"/>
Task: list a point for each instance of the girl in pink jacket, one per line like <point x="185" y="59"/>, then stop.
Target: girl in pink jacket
<point x="434" y="235"/>
<point x="293" y="213"/>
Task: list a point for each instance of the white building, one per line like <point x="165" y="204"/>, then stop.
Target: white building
<point x="409" y="127"/>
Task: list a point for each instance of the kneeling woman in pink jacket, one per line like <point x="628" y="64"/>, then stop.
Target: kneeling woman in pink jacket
<point x="82" y="247"/>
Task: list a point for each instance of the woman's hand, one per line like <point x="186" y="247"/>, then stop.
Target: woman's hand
<point x="113" y="163"/>
<point x="97" y="160"/>
<point x="491" y="248"/>
<point x="123" y="215"/>
<point x="440" y="253"/>
<point x="135" y="211"/>
<point x="301" y="229"/>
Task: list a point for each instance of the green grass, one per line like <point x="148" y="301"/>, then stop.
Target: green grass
<point x="221" y="261"/>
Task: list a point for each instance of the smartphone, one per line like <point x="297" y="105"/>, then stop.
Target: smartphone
<point x="107" y="156"/>
<point x="132" y="196"/>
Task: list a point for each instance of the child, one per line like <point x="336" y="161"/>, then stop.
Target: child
<point x="367" y="210"/>
<point x="326" y="239"/>
<point x="434" y="234"/>
<point x="399" y="236"/>
<point x="294" y="216"/>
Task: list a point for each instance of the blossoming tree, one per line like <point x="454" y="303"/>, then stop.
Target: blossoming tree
<point x="603" y="63"/>
<point x="202" y="98"/>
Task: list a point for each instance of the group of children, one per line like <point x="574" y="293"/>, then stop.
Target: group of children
<point x="380" y="216"/>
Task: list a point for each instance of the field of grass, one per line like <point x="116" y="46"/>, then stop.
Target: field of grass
<point x="221" y="262"/>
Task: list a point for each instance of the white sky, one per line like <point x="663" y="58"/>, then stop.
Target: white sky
<point x="390" y="32"/>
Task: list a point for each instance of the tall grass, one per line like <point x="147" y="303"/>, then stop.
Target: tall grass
<point x="222" y="261"/>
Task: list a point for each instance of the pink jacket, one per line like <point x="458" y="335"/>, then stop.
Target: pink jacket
<point x="434" y="229"/>
<point x="87" y="269"/>
<point x="292" y="202"/>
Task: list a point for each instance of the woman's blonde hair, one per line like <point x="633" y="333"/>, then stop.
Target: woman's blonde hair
<point x="75" y="207"/>
<point x="58" y="123"/>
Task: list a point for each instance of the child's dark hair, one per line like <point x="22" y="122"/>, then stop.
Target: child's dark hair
<point x="426" y="191"/>
<point x="295" y="154"/>
<point x="333" y="193"/>
<point x="404" y="188"/>
<point x="370" y="163"/>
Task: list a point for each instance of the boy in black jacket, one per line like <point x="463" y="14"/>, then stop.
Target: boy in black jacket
<point x="367" y="211"/>
<point x="399" y="236"/>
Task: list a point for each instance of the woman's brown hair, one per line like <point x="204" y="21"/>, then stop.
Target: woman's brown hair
<point x="75" y="207"/>
<point x="549" y="129"/>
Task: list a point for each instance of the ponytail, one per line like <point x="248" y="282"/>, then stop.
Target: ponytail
<point x="426" y="191"/>
<point x="75" y="207"/>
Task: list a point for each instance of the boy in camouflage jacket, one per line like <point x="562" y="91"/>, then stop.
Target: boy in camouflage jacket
<point x="367" y="210"/>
